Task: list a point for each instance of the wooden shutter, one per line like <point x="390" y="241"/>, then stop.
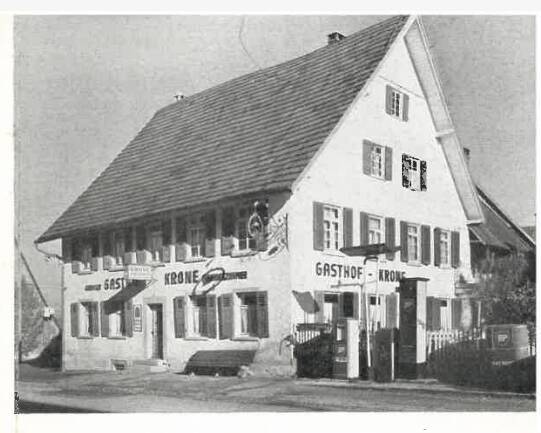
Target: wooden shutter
<point x="104" y="319"/>
<point x="456" y="311"/>
<point x="437" y="246"/>
<point x="74" y="311"/>
<point x="405" y="107"/>
<point x="433" y="313"/>
<point x="367" y="157"/>
<point x="319" y="298"/>
<point x="226" y="315"/>
<point x="94" y="318"/>
<point x="423" y="175"/>
<point x="391" y="310"/>
<point x="318" y="226"/>
<point x="363" y="218"/>
<point x="128" y="317"/>
<point x="405" y="171"/>
<point x="390" y="236"/>
<point x="388" y="163"/>
<point x="211" y="316"/>
<point x="356" y="311"/>
<point x="388" y="99"/>
<point x="178" y="316"/>
<point x="262" y="310"/>
<point x="348" y="226"/>
<point x="455" y="249"/>
<point x="425" y="245"/>
<point x="403" y="241"/>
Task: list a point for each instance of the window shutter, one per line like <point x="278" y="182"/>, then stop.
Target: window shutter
<point x="390" y="235"/>
<point x="94" y="312"/>
<point x="433" y="313"/>
<point x="364" y="318"/>
<point x="405" y="107"/>
<point x="425" y="245"/>
<point x="363" y="218"/>
<point x="405" y="171"/>
<point x="104" y="320"/>
<point x="318" y="226"/>
<point x="403" y="241"/>
<point x="262" y="315"/>
<point x="178" y="316"/>
<point x="128" y="317"/>
<point x="456" y="311"/>
<point x="348" y="226"/>
<point x="437" y="246"/>
<point x="455" y="249"/>
<point x="356" y="305"/>
<point x="226" y="315"/>
<point x="388" y="99"/>
<point x="74" y="310"/>
<point x="391" y="312"/>
<point x="367" y="157"/>
<point x="388" y="163"/>
<point x="211" y="316"/>
<point x="319" y="297"/>
<point x="423" y="176"/>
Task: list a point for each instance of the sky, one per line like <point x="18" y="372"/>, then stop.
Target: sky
<point x="85" y="85"/>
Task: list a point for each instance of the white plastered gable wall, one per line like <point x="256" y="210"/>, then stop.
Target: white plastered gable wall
<point x="335" y="176"/>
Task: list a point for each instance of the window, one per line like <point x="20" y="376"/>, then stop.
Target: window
<point x="199" y="315"/>
<point x="376" y="230"/>
<point x="413" y="243"/>
<point x="413" y="173"/>
<point x="156" y="243"/>
<point x="248" y="314"/>
<point x="88" y="319"/>
<point x="332" y="231"/>
<point x="348" y="307"/>
<point x="119" y="246"/>
<point x="117" y="325"/>
<point x="445" y="247"/>
<point x="330" y="307"/>
<point x="377" y="161"/>
<point x="246" y="241"/>
<point x="396" y="103"/>
<point x="196" y="235"/>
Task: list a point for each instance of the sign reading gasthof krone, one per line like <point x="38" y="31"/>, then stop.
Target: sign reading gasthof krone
<point x="138" y="272"/>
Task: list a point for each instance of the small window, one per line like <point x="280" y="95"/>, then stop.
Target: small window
<point x="199" y="315"/>
<point x="119" y="245"/>
<point x="156" y="243"/>
<point x="87" y="319"/>
<point x="397" y="103"/>
<point x="376" y="230"/>
<point x="377" y="160"/>
<point x="445" y="248"/>
<point x="348" y="307"/>
<point x="414" y="243"/>
<point x="330" y="307"/>
<point x="332" y="228"/>
<point x="413" y="173"/>
<point x="196" y="235"/>
<point x="246" y="241"/>
<point x="117" y="325"/>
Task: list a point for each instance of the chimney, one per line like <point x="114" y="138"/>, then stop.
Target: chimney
<point x="179" y="96"/>
<point x="466" y="154"/>
<point x="334" y="37"/>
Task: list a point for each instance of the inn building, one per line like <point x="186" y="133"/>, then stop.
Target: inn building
<point x="225" y="222"/>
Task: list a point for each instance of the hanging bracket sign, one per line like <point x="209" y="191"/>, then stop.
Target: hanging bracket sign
<point x="138" y="272"/>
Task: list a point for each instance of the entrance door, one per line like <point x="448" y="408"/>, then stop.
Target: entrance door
<point x="156" y="330"/>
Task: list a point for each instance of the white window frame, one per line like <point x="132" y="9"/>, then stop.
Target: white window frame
<point x="196" y="229"/>
<point x="372" y="232"/>
<point x="332" y="228"/>
<point x="196" y="314"/>
<point x="244" y="312"/>
<point x="377" y="161"/>
<point x="416" y="259"/>
<point x="397" y="103"/>
<point x="241" y="225"/>
<point x="445" y="248"/>
<point x="414" y="174"/>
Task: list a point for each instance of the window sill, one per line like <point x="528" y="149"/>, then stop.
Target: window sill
<point x="194" y="260"/>
<point x="116" y="269"/>
<point x="85" y="337"/>
<point x="243" y="253"/>
<point x="118" y="337"/>
<point x="85" y="272"/>
<point x="415" y="264"/>
<point x="246" y="338"/>
<point x="333" y="253"/>
<point x="196" y="338"/>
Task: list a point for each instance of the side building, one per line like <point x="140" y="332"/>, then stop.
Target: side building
<point x="229" y="213"/>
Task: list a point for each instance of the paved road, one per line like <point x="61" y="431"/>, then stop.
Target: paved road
<point x="170" y="392"/>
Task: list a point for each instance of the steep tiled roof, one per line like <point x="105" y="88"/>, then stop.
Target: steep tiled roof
<point x="251" y="134"/>
<point x="498" y="230"/>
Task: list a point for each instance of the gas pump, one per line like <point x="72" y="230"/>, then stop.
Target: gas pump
<point x="346" y="349"/>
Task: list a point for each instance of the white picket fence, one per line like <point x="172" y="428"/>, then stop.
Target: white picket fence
<point x="437" y="340"/>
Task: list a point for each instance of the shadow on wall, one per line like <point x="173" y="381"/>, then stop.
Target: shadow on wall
<point x="50" y="356"/>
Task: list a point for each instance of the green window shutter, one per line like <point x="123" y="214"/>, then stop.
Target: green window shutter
<point x="211" y="316"/>
<point x="425" y="245"/>
<point x="423" y="176"/>
<point x="319" y="297"/>
<point x="388" y="163"/>
<point x="74" y="311"/>
<point x="403" y="241"/>
<point x="367" y="157"/>
<point x="226" y="315"/>
<point x="363" y="218"/>
<point x="390" y="236"/>
<point x="94" y="312"/>
<point x="388" y="99"/>
<point x="348" y="226"/>
<point x="104" y="319"/>
<point x="405" y="107"/>
<point x="128" y="318"/>
<point x="262" y="310"/>
<point x="437" y="246"/>
<point x="455" y="249"/>
<point x="178" y="316"/>
<point x="318" y="226"/>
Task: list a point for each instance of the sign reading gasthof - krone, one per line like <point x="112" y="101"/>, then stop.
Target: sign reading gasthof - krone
<point x="138" y="272"/>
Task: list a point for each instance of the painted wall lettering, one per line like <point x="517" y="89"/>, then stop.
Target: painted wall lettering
<point x="114" y="284"/>
<point x="386" y="275"/>
<point x="336" y="270"/>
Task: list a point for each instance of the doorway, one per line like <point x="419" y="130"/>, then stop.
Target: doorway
<point x="156" y="330"/>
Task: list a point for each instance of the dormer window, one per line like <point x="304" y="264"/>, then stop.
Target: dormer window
<point x="396" y="103"/>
